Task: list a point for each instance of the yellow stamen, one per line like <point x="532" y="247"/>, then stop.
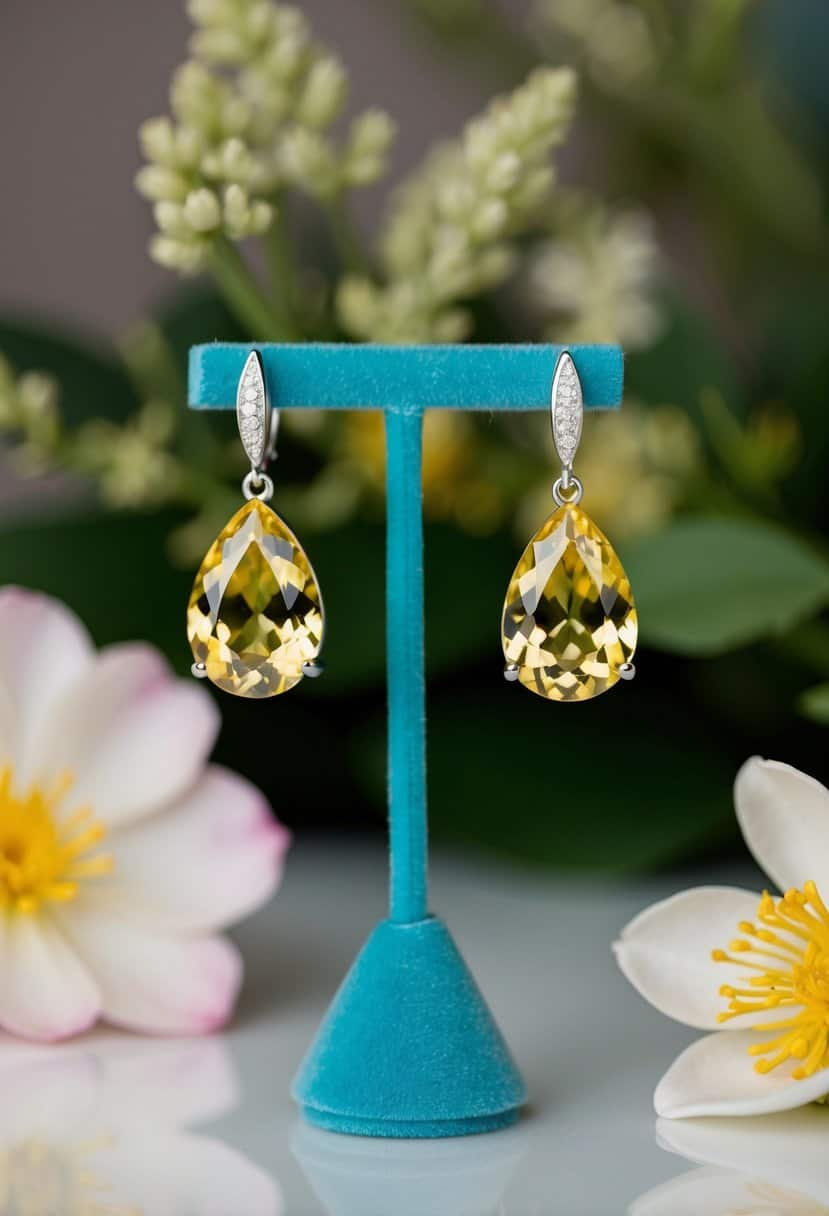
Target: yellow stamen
<point x="45" y="854"/>
<point x="793" y="976"/>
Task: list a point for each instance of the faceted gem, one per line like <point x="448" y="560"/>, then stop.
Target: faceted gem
<point x="255" y="613"/>
<point x="569" y="621"/>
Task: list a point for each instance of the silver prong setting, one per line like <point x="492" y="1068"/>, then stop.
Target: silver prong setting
<point x="627" y="671"/>
<point x="313" y="669"/>
<point x="199" y="670"/>
<point x="511" y="672"/>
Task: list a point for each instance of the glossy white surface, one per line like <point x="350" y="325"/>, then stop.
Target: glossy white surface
<point x="181" y="1128"/>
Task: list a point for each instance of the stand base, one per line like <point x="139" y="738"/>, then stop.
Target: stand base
<point x="408" y="1048"/>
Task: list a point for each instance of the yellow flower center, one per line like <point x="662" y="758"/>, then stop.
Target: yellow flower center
<point x="43" y="856"/>
<point x="788" y="951"/>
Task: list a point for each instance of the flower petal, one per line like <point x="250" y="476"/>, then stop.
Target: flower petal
<point x="206" y="862"/>
<point x="153" y="981"/>
<point x="46" y="992"/>
<point x="784" y="817"/>
<point x="44" y="650"/>
<point x="665" y="952"/>
<point x="135" y="736"/>
<point x="716" y="1076"/>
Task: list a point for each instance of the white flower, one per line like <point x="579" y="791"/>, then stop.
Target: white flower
<point x="100" y="1128"/>
<point x="597" y="276"/>
<point x="121" y="853"/>
<point x="755" y="968"/>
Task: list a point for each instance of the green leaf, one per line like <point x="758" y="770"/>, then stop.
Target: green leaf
<point x="110" y="569"/>
<point x="814" y="704"/>
<point x="689" y="356"/>
<point x="94" y="384"/>
<point x="704" y="586"/>
<point x="585" y="786"/>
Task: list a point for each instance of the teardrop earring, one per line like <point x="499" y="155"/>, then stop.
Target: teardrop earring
<point x="569" y="625"/>
<point x="255" y="618"/>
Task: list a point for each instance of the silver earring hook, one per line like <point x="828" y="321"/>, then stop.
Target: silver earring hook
<point x="566" y="415"/>
<point x="258" y="427"/>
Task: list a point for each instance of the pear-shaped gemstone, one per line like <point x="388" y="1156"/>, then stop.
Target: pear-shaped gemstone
<point x="255" y="613"/>
<point x="569" y="621"/>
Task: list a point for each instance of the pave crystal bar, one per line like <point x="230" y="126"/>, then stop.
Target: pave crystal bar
<point x="567" y="406"/>
<point x="252" y="412"/>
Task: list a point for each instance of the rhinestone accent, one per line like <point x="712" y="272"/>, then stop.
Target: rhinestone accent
<point x="567" y="409"/>
<point x="252" y="411"/>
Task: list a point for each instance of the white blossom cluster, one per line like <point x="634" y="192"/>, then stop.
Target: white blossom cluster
<point x="594" y="279"/>
<point x="452" y="228"/>
<point x="251" y="111"/>
<point x="131" y="463"/>
<point x="29" y="410"/>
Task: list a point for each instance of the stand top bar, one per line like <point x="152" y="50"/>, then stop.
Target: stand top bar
<point x="403" y="378"/>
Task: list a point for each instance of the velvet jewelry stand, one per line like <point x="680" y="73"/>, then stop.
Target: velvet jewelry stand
<point x="408" y="1047"/>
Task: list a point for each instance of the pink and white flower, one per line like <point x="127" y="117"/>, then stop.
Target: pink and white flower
<point x="122" y="852"/>
<point x="753" y="967"/>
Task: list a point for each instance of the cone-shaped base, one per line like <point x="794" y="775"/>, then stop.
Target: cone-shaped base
<point x="408" y="1047"/>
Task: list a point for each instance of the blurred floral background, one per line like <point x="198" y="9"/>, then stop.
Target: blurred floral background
<point x="639" y="171"/>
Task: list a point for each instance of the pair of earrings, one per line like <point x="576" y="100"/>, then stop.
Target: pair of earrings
<point x="255" y="620"/>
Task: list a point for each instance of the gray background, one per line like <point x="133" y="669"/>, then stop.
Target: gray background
<point x="76" y="81"/>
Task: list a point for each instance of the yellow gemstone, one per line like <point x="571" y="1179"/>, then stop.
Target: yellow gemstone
<point x="255" y="613"/>
<point x="569" y="621"/>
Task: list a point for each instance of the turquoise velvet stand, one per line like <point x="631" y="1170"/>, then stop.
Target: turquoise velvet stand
<point x="408" y="1047"/>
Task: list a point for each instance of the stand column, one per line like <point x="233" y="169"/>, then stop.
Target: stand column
<point x="405" y="667"/>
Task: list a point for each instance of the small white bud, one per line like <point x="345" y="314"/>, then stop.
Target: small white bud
<point x="189" y="147"/>
<point x="231" y="162"/>
<point x="202" y="210"/>
<point x="371" y="132"/>
<point x="170" y="219"/>
<point x="260" y="20"/>
<point x="308" y="161"/>
<point x="184" y="256"/>
<point x="158" y="141"/>
<point x="219" y="45"/>
<point x="235" y="115"/>
<point x="324" y="93"/>
<point x="504" y="172"/>
<point x="209" y="12"/>
<point x="236" y="209"/>
<point x="157" y="182"/>
<point x="261" y="217"/>
<point x="489" y="219"/>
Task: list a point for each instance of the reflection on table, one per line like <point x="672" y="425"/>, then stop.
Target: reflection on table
<point x="770" y="1166"/>
<point x="356" y="1176"/>
<point x="100" y="1126"/>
